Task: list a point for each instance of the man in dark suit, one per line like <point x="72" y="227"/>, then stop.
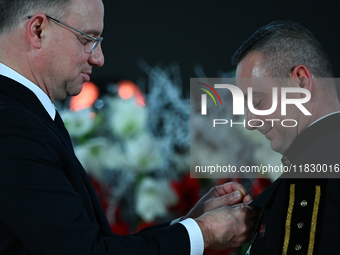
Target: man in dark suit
<point x="301" y="208"/>
<point x="47" y="203"/>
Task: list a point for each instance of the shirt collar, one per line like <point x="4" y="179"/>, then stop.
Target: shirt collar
<point x="39" y="93"/>
<point x="323" y="117"/>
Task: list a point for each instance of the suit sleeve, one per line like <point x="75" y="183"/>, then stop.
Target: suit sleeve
<point x="41" y="207"/>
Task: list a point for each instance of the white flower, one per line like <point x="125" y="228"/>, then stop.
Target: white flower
<point x="144" y="153"/>
<point x="153" y="197"/>
<point x="182" y="161"/>
<point x="78" y="123"/>
<point x="126" y="118"/>
<point x="115" y="158"/>
<point x="94" y="156"/>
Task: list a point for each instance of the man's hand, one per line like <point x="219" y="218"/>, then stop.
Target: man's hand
<point x="227" y="194"/>
<point x="227" y="227"/>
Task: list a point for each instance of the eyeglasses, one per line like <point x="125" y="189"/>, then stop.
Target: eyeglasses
<point x="89" y="44"/>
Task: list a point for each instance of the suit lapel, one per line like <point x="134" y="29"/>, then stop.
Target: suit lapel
<point x="27" y="98"/>
<point x="20" y="94"/>
<point x="63" y="134"/>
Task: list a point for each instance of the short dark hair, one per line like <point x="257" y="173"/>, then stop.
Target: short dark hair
<point x="284" y="45"/>
<point x="13" y="11"/>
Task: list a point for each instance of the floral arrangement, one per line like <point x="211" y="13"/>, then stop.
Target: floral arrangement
<point x="138" y="156"/>
<point x="139" y="152"/>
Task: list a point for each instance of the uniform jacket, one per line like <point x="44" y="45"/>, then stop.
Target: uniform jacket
<point x="302" y="215"/>
<point x="47" y="203"/>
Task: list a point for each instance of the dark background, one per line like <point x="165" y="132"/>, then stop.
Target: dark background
<point x="205" y="32"/>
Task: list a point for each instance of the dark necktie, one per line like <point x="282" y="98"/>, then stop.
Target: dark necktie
<point x="64" y="134"/>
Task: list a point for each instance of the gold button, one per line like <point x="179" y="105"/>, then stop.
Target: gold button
<point x="298" y="247"/>
<point x="300" y="225"/>
<point x="303" y="203"/>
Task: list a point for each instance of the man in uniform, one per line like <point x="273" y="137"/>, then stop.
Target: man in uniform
<point x="301" y="212"/>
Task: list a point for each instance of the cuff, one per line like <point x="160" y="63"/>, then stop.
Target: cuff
<point x="195" y="236"/>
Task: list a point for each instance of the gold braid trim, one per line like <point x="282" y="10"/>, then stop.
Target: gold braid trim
<point x="314" y="220"/>
<point x="289" y="218"/>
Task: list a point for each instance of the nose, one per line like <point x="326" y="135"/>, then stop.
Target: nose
<point x="252" y="122"/>
<point x="96" y="58"/>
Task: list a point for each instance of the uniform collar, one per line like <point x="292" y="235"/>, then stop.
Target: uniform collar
<point x="316" y="130"/>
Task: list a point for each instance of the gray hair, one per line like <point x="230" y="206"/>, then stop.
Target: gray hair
<point x="12" y="12"/>
<point x="284" y="45"/>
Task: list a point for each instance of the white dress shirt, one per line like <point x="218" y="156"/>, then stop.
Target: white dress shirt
<point x="195" y="234"/>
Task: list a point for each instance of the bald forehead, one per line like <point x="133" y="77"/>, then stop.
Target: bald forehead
<point x="84" y="7"/>
<point x="87" y="15"/>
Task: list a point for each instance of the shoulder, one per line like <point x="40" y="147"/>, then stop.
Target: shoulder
<point x="323" y="150"/>
<point x="24" y="131"/>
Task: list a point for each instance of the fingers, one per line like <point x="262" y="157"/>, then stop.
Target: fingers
<point x="228" y="188"/>
<point x="228" y="199"/>
<point x="249" y="211"/>
<point x="230" y="193"/>
<point x="247" y="199"/>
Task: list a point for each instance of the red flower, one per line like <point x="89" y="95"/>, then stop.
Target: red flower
<point x="188" y="192"/>
<point x="103" y="192"/>
<point x="119" y="226"/>
<point x="259" y="185"/>
<point x="144" y="224"/>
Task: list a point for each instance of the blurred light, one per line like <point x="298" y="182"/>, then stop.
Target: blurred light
<point x="128" y="89"/>
<point x="86" y="98"/>
<point x="99" y="104"/>
<point x="141" y="102"/>
<point x="92" y="115"/>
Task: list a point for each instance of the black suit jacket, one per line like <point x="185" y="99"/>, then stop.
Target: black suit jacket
<point x="302" y="216"/>
<point x="47" y="203"/>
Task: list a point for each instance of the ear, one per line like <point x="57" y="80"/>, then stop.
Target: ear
<point x="303" y="77"/>
<point x="35" y="28"/>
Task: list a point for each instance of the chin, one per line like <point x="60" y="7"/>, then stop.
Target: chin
<point x="76" y="91"/>
<point x="276" y="147"/>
